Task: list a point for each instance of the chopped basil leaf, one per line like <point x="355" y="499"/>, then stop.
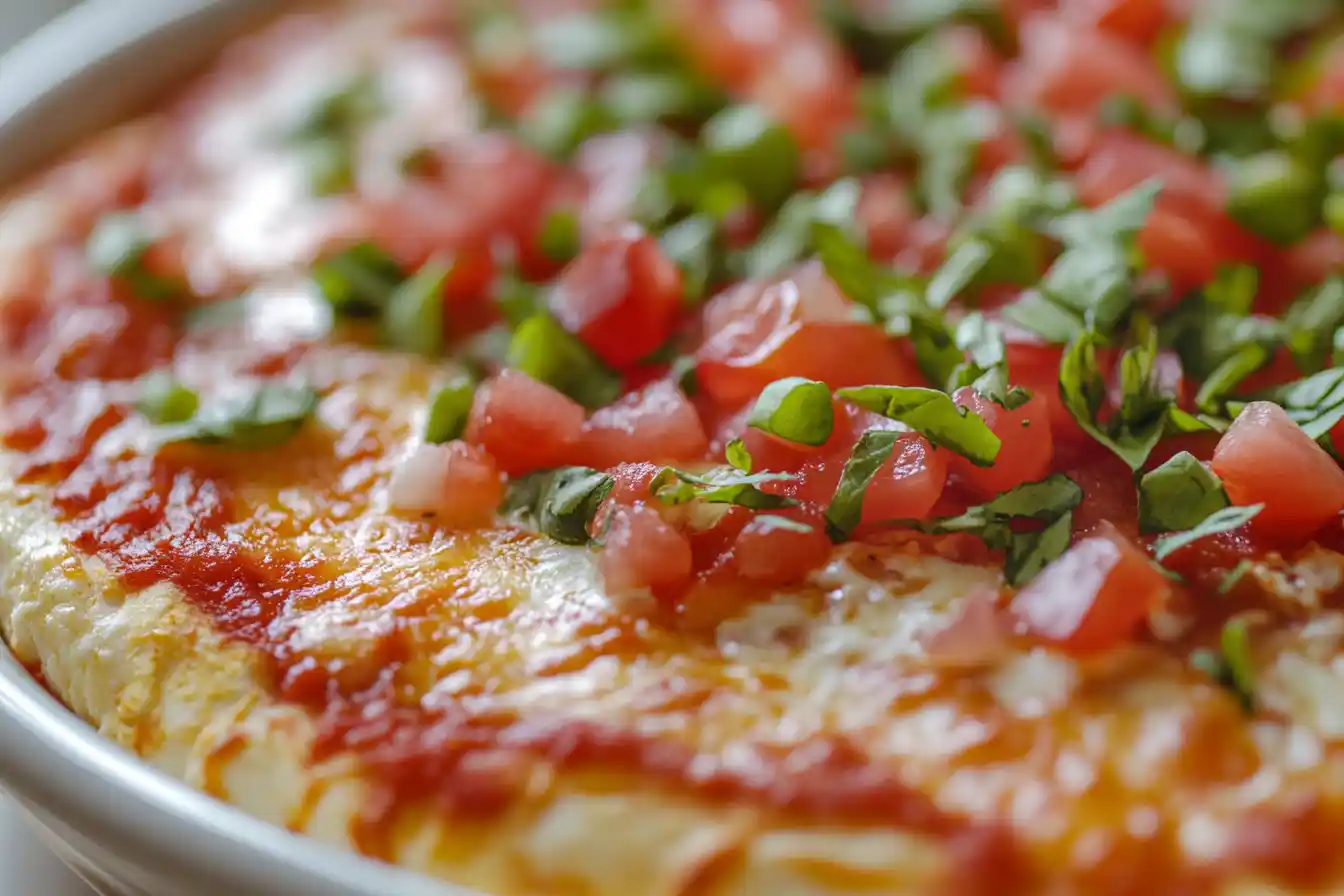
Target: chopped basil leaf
<point x="693" y="245"/>
<point x="959" y="272"/>
<point x="936" y="351"/>
<point x="1315" y="403"/>
<point x="449" y="409"/>
<point x="165" y="400"/>
<point x="646" y="97"/>
<point x="723" y="485"/>
<point x="413" y="319"/>
<point x="358" y="281"/>
<point x="1225" y="520"/>
<point x="1119" y="220"/>
<point x="1031" y="552"/>
<point x="606" y="40"/>
<point x="1180" y="494"/>
<point x="563" y="501"/>
<point x="682" y="372"/>
<point x="1231" y="665"/>
<point x="1235" y="575"/>
<point x="569" y="501"/>
<point x="516" y="299"/>
<point x="743" y="144"/>
<point x="737" y="455"/>
<point x="1053" y="323"/>
<point x="559" y="237"/>
<point x="265" y="417"/>
<point x="545" y="351"/>
<point x="847" y="263"/>
<point x="117" y="247"/>
<point x="558" y="122"/>
<point x="1082" y="389"/>
<point x="934" y="415"/>
<point x="789" y="236"/>
<point x="1312" y="321"/>
<point x="327" y="135"/>
<point x="795" y="409"/>
<point x="1050" y="501"/>
<point x="1227" y="376"/>
<point x="1275" y="195"/>
<point x="872" y="450"/>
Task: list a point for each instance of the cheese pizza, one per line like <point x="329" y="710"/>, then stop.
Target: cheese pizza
<point x="710" y="447"/>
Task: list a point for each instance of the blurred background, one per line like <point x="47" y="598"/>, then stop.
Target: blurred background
<point x="26" y="868"/>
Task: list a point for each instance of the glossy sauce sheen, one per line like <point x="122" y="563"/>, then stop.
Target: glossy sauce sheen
<point x="445" y="660"/>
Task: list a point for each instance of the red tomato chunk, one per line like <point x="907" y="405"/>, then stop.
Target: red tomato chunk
<point x="524" y="424"/>
<point x="1266" y="458"/>
<point x="1093" y="597"/>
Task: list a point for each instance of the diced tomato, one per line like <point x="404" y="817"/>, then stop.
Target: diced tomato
<point x="458" y="484"/>
<point x="976" y="637"/>
<point x="886" y="214"/>
<point x="1093" y="597"/>
<point x="1188" y="235"/>
<point x="909" y="484"/>
<point x="800" y="325"/>
<point x="978" y="65"/>
<point x="1034" y="365"/>
<point x="767" y="553"/>
<point x="1135" y="20"/>
<point x="1026" y="449"/>
<point x="1109" y="498"/>
<point x="654" y="423"/>
<point x="524" y="424"/>
<point x="1266" y="458"/>
<point x="808" y="84"/>
<point x="1315" y="258"/>
<point x="642" y="551"/>
<point x="620" y="296"/>
<point x="1067" y="69"/>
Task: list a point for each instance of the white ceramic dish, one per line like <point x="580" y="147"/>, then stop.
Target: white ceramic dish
<point x="126" y="828"/>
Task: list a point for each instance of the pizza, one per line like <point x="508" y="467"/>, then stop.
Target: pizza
<point x="710" y="447"/>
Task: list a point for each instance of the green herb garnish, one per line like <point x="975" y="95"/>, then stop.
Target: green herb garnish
<point x="796" y="410"/>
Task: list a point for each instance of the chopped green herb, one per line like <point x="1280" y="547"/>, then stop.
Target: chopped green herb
<point x="1235" y="575"/>
<point x="327" y="135"/>
<point x="790" y="235"/>
<point x="1315" y="403"/>
<point x="743" y="144"/>
<point x="566" y="116"/>
<point x="671" y="96"/>
<point x="261" y="418"/>
<point x="1220" y="521"/>
<point x="563" y="501"/>
<point x="117" y="247"/>
<point x="546" y="351"/>
<point x="961" y="270"/>
<point x="693" y="245"/>
<point x="1311" y="322"/>
<point x="795" y="409"/>
<point x="872" y="450"/>
<point x="1224" y="380"/>
<point x="934" y="415"/>
<point x="1130" y="436"/>
<point x="722" y="485"/>
<point x="165" y="400"/>
<point x="737" y="455"/>
<point x="770" y="522"/>
<point x="559" y="237"/>
<point x="358" y="281"/>
<point x="449" y="409"/>
<point x="413" y="319"/>
<point x="1231" y="665"/>
<point x="997" y="523"/>
<point x="1275" y="195"/>
<point x="1180" y="494"/>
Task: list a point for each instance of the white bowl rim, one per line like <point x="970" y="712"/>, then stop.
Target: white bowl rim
<point x="49" y="758"/>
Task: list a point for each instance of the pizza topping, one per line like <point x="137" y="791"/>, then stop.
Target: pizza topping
<point x="1093" y="597"/>
<point x="449" y="410"/>
<point x="455" y="483"/>
<point x="1231" y="663"/>
<point x="564" y="502"/>
<point x="255" y="419"/>
<point x="122" y="246"/>
<point x="796" y="410"/>
<point x="165" y="400"/>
